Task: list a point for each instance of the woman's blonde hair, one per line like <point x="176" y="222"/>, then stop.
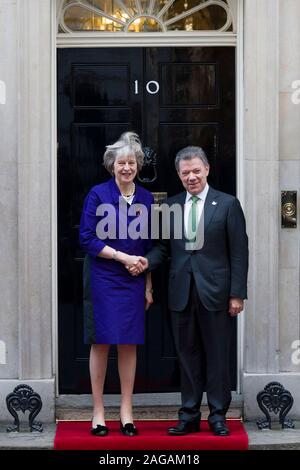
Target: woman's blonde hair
<point x="128" y="144"/>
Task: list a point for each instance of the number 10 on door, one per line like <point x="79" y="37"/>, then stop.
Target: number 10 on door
<point x="152" y="87"/>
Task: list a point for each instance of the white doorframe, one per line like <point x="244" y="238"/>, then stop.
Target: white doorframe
<point x="168" y="39"/>
<point x="54" y="260"/>
<point x="172" y="39"/>
<point x="240" y="164"/>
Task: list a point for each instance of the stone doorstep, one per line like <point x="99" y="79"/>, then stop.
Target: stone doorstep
<point x="79" y="408"/>
<point x="145" y="406"/>
<point x="26" y="440"/>
<point x="140" y="412"/>
<point x="276" y="439"/>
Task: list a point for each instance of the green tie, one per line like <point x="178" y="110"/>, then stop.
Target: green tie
<point x="192" y="219"/>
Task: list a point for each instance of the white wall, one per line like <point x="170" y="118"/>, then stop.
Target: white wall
<point x="25" y="200"/>
<point x="289" y="152"/>
<point x="272" y="130"/>
<point x="9" y="191"/>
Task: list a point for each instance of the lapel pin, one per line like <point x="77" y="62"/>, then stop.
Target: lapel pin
<point x="214" y="203"/>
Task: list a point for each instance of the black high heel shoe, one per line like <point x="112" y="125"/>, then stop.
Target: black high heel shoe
<point x="99" y="430"/>
<point x="128" y="429"/>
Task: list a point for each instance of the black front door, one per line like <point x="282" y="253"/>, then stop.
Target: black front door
<point x="172" y="97"/>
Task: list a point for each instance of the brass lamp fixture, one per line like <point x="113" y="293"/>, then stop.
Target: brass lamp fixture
<point x="289" y="209"/>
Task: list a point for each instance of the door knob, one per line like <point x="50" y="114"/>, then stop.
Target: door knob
<point x="148" y="174"/>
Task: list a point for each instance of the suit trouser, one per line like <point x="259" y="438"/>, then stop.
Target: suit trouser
<point x="202" y="340"/>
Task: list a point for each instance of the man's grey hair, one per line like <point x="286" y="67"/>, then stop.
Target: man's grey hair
<point x="191" y="152"/>
<point x="128" y="144"/>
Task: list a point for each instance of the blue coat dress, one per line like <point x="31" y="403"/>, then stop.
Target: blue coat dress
<point x="114" y="300"/>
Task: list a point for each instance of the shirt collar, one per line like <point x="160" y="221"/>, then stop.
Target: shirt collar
<point x="202" y="195"/>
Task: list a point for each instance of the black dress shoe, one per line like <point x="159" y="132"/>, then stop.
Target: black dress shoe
<point x="99" y="430"/>
<point x="219" y="428"/>
<point x="128" y="429"/>
<point x="184" y="427"/>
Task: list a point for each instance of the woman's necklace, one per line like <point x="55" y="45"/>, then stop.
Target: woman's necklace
<point x="129" y="195"/>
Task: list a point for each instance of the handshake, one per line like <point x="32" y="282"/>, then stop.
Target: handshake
<point x="136" y="264"/>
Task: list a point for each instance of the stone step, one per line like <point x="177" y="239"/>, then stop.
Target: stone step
<point x="146" y="406"/>
<point x="275" y="439"/>
<point x="140" y="412"/>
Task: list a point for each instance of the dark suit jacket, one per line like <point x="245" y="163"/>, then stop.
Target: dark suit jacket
<point x="220" y="267"/>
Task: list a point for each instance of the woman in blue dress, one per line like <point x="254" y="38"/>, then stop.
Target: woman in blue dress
<point x="115" y="301"/>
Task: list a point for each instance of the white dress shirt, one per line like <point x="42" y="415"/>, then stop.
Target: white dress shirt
<point x="200" y="205"/>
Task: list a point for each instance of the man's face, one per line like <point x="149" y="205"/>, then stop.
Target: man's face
<point x="193" y="174"/>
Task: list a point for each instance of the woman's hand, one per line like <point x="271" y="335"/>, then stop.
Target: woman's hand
<point x="134" y="264"/>
<point x="138" y="268"/>
<point x="130" y="261"/>
<point x="149" y="298"/>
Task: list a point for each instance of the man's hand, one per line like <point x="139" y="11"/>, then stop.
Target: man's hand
<point x="139" y="266"/>
<point x="235" y="306"/>
<point x="148" y="298"/>
<point x="128" y="260"/>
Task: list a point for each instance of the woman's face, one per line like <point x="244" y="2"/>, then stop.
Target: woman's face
<point x="125" y="169"/>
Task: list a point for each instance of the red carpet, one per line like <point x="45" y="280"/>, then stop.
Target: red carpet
<point x="75" y="435"/>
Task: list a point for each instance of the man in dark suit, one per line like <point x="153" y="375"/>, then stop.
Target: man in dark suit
<point x="207" y="287"/>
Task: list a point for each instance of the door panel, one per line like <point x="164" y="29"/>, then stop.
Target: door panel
<point x="200" y="110"/>
<point x="181" y="89"/>
<point x="100" y="85"/>
<point x="172" y="97"/>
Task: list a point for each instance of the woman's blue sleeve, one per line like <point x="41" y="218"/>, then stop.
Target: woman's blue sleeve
<point x="88" y="239"/>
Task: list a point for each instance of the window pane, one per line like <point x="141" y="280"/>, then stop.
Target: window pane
<point x="209" y="18"/>
<point x="145" y="25"/>
<point x="80" y="19"/>
<point x="122" y="12"/>
<point x="111" y="7"/>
